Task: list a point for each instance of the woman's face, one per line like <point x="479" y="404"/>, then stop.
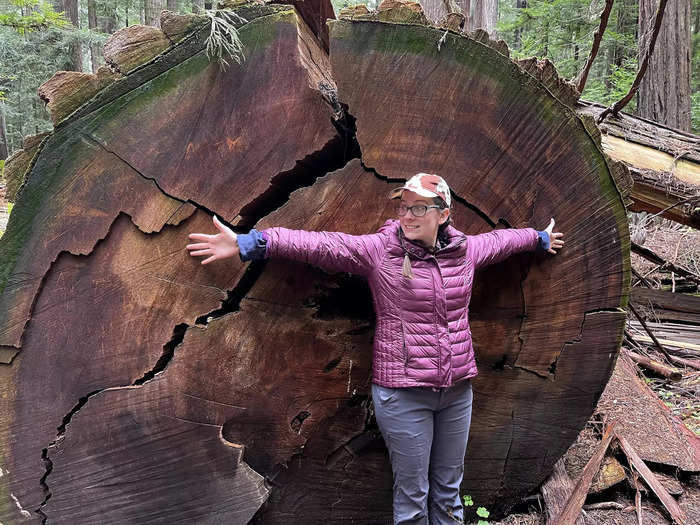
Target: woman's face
<point x="421" y="229"/>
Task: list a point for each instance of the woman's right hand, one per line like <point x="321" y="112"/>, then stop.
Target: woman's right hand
<point x="220" y="246"/>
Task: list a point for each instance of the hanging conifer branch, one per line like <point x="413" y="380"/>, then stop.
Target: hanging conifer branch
<point x="614" y="109"/>
<point x="597" y="37"/>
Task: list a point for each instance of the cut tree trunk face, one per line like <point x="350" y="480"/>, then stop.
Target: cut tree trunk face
<point x="237" y="393"/>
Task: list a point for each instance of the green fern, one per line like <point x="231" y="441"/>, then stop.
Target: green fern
<point x="223" y="41"/>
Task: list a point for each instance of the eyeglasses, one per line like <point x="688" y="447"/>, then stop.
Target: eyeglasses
<point x="419" y="210"/>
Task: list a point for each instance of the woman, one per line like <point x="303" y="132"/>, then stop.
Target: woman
<point x="420" y="270"/>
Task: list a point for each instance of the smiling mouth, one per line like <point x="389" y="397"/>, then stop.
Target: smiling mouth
<point x="411" y="227"/>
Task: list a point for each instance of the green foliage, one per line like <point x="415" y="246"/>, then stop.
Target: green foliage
<point x="223" y="40"/>
<point x="31" y="15"/>
<point x="482" y="512"/>
<point x="467" y="499"/>
<point x="562" y="30"/>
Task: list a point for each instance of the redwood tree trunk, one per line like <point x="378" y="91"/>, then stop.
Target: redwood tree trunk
<point x="485" y="15"/>
<point x="4" y="146"/>
<point x="92" y="25"/>
<point x="664" y="93"/>
<point x="152" y="9"/>
<point x="75" y="62"/>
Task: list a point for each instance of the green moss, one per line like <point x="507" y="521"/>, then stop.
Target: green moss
<point x="255" y="36"/>
<point x="37" y="197"/>
<point x="182" y="51"/>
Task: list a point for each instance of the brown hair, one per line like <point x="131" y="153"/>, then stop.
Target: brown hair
<point x="439" y="201"/>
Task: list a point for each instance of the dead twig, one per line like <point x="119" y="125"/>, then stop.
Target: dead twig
<point x="606" y="505"/>
<point x="641" y="279"/>
<point x="597" y="37"/>
<point x="637" y="498"/>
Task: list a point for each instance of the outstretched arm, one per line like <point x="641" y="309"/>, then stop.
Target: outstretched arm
<point x="492" y="247"/>
<point x="332" y="251"/>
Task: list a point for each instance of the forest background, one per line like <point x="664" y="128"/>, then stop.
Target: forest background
<point x="39" y="37"/>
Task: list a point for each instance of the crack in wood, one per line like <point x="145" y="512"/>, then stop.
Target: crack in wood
<point x="332" y="156"/>
<point x="90" y="139"/>
<point x="159" y="366"/>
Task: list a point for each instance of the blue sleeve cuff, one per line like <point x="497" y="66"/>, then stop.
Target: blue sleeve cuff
<point x="252" y="246"/>
<point x="543" y="241"/>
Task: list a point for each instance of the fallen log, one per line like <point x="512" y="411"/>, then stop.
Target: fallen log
<point x="664" y="163"/>
<point x="655" y="366"/>
<point x="667" y="306"/>
<point x="128" y="357"/>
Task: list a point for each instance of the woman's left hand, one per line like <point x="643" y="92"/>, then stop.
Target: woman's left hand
<point x="555" y="238"/>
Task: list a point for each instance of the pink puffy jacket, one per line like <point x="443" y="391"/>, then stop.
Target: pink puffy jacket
<point x="422" y="335"/>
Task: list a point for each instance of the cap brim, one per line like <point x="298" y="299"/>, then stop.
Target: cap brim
<point x="395" y="194"/>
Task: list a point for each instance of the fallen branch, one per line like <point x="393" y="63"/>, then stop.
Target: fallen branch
<point x="637" y="498"/>
<point x="655" y="366"/>
<point x="615" y="108"/>
<point x="685" y="362"/>
<point x="597" y="37"/>
<point x="651" y="334"/>
<point x="666" y="499"/>
<point x="573" y="506"/>
<point x="641" y="278"/>
<point x="655" y="258"/>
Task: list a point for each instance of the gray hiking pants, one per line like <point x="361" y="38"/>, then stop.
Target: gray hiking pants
<point x="426" y="432"/>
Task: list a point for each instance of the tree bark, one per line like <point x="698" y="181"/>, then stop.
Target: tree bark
<point x="466" y="8"/>
<point x="92" y="25"/>
<point x="436" y="10"/>
<point x="152" y="9"/>
<point x="75" y="62"/>
<point x="518" y="37"/>
<point x="486" y="16"/>
<point x="664" y="92"/>
<point x="172" y="5"/>
<point x="4" y="146"/>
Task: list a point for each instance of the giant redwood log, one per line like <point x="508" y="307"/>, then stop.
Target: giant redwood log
<point x="139" y="386"/>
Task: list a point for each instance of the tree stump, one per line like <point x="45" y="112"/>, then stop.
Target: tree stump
<point x="140" y="386"/>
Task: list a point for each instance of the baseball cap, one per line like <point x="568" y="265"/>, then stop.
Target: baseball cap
<point x="425" y="185"/>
